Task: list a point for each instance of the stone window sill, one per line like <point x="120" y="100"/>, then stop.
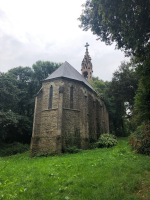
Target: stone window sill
<point x="71" y="109"/>
<point x="50" y="109"/>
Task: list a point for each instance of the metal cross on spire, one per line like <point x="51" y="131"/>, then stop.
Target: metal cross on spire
<point x="87" y="45"/>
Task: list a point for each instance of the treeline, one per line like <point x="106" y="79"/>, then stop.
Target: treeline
<point x="19" y="86"/>
<point x="18" y="89"/>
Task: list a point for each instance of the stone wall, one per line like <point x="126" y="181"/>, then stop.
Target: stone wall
<point x="45" y="136"/>
<point x="88" y="116"/>
<point x="64" y="125"/>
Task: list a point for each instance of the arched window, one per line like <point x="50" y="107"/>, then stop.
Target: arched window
<point x="71" y="96"/>
<point x="50" y="96"/>
<point x="85" y="74"/>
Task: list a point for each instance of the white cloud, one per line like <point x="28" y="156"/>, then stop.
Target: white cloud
<point x="32" y="30"/>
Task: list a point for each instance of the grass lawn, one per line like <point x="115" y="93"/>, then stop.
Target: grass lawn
<point x="100" y="174"/>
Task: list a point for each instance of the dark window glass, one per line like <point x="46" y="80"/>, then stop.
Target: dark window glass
<point x="71" y="96"/>
<point x="50" y="96"/>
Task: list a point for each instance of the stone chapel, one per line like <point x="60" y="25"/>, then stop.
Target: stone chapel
<point x="68" y="111"/>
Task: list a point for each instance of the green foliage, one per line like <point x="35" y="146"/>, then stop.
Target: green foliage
<point x="14" y="127"/>
<point x="98" y="85"/>
<point x="77" y="139"/>
<point x="73" y="149"/>
<point x="93" y="145"/>
<point x="107" y="140"/>
<point x="42" y="69"/>
<point x="124" y="83"/>
<point x="140" y="139"/>
<point x="12" y="148"/>
<point x="119" y="96"/>
<point x="125" y="22"/>
<point x="106" y="173"/>
<point x="71" y="142"/>
<point x="9" y="91"/>
<point x="43" y="154"/>
<point x="142" y="100"/>
<point x="128" y="24"/>
<point x="18" y="89"/>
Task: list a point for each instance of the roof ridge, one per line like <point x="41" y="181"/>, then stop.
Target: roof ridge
<point x="78" y="72"/>
<point x="63" y="68"/>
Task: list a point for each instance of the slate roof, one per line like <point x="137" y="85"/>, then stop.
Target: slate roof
<point x="67" y="71"/>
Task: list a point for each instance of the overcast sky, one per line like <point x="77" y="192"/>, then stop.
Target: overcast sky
<point x="47" y="30"/>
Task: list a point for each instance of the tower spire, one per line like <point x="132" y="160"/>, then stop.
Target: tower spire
<point x="86" y="66"/>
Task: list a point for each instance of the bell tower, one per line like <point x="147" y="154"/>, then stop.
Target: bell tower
<point x="86" y="66"/>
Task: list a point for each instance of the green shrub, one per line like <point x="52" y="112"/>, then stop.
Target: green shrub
<point x="45" y="154"/>
<point x="13" y="148"/>
<point x="140" y="139"/>
<point x="73" y="149"/>
<point x="107" y="140"/>
<point x="93" y="145"/>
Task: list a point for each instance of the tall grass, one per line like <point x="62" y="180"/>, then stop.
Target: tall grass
<point x="100" y="174"/>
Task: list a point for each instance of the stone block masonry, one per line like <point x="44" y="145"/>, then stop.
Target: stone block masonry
<point x="75" y="118"/>
<point x="68" y="111"/>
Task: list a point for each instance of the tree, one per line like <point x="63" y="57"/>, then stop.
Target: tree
<point x="42" y="70"/>
<point x="119" y="96"/>
<point x="9" y="91"/>
<point x="122" y="90"/>
<point x="126" y="22"/>
<point x="18" y="89"/>
<point x="98" y="85"/>
<point x="142" y="101"/>
<point x="125" y="83"/>
<point x="24" y="78"/>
